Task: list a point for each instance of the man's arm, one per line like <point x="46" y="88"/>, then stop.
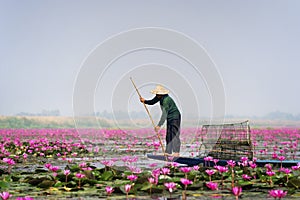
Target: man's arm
<point x="150" y="102"/>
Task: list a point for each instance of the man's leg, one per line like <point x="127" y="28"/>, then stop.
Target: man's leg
<point x="169" y="139"/>
<point x="176" y="135"/>
<point x="173" y="133"/>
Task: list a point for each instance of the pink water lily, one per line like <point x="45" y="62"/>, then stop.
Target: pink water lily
<point x="221" y="169"/>
<point x="170" y="186"/>
<point x="67" y="173"/>
<point x="9" y="161"/>
<point x="281" y="158"/>
<point x="165" y="171"/>
<point x="297" y="167"/>
<point x="210" y="171"/>
<point x="237" y="191"/>
<point x="208" y="158"/>
<point x="48" y="165"/>
<point x="5" y="195"/>
<point x="212" y="185"/>
<point x="109" y="190"/>
<point x="185" y="169"/>
<point x="151" y="180"/>
<point x="185" y="181"/>
<point x="231" y="163"/>
<point x="79" y="176"/>
<point x="54" y="168"/>
<point x="246" y="177"/>
<point x="132" y="177"/>
<point x="127" y="188"/>
<point x="277" y="193"/>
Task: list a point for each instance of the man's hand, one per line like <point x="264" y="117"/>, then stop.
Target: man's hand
<point x="142" y="99"/>
<point x="157" y="128"/>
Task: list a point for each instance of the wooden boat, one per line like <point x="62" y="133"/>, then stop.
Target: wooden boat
<point x="225" y="142"/>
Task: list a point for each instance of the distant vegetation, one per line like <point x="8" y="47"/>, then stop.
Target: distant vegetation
<point x="42" y="113"/>
<point x="49" y="122"/>
<point x="52" y="119"/>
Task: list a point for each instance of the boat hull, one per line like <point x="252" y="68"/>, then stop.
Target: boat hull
<point x="196" y="161"/>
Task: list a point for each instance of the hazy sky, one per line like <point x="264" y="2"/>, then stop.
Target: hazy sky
<point x="255" y="45"/>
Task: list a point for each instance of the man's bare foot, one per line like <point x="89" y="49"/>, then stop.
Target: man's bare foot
<point x="175" y="154"/>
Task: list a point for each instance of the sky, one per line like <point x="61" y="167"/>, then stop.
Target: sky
<point x="253" y="45"/>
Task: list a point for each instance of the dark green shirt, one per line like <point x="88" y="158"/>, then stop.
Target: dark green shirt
<point x="168" y="108"/>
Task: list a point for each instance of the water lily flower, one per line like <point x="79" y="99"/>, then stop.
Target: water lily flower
<point x="185" y="181"/>
<point x="221" y="169"/>
<point x="9" y="161"/>
<point x="212" y="185"/>
<point x="107" y="163"/>
<point x="155" y="173"/>
<point x="196" y="167"/>
<point x="172" y="164"/>
<point x="208" y="158"/>
<point x="109" y="190"/>
<point x="48" y="165"/>
<point x="270" y="173"/>
<point x="243" y="159"/>
<point x="237" y="191"/>
<point x="79" y="175"/>
<point x="127" y="188"/>
<point x="132" y="177"/>
<point x="151" y="180"/>
<point x="246" y="177"/>
<point x="286" y="170"/>
<point x="295" y="167"/>
<point x="165" y="171"/>
<point x="66" y="173"/>
<point x="185" y="169"/>
<point x="269" y="167"/>
<point x="5" y="195"/>
<point x="252" y="165"/>
<point x="277" y="193"/>
<point x="54" y="168"/>
<point x="281" y="158"/>
<point x="135" y="170"/>
<point x="215" y="161"/>
<point x="210" y="171"/>
<point x="231" y="163"/>
<point x="82" y="165"/>
<point x="170" y="186"/>
<point x="274" y="156"/>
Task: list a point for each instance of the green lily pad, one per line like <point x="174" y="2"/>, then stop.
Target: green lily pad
<point x="108" y="175"/>
<point x="294" y="182"/>
<point x="4" y="184"/>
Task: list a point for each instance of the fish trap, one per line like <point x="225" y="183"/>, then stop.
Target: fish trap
<point x="226" y="141"/>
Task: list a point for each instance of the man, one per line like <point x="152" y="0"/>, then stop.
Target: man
<point x="170" y="113"/>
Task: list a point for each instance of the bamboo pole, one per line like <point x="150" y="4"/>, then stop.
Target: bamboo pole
<point x="147" y="110"/>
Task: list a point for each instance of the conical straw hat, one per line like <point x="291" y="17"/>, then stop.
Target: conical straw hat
<point x="160" y="90"/>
